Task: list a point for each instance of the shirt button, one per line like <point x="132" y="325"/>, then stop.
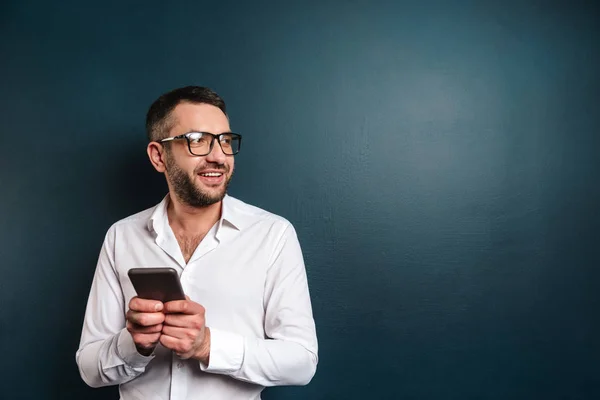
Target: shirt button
<point x="179" y="365"/>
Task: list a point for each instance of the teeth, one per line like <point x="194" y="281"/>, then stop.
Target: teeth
<point x="211" y="174"/>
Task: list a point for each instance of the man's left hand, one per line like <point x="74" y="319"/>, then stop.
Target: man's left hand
<point x="184" y="330"/>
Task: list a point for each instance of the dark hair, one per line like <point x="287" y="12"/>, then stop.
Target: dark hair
<point x="158" y="118"/>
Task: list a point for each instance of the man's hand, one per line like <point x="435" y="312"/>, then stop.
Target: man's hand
<point x="145" y="323"/>
<point x="184" y="331"/>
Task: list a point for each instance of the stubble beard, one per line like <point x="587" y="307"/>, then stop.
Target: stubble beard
<point x="185" y="189"/>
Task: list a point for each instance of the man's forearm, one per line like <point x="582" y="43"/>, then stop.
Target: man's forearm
<point x="265" y="362"/>
<point x="111" y="361"/>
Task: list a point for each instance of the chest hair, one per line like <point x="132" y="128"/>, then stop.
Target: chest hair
<point x="188" y="244"/>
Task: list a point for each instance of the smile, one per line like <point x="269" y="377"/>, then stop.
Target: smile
<point x="211" y="174"/>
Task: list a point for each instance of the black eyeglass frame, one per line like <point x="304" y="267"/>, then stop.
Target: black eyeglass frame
<point x="186" y="136"/>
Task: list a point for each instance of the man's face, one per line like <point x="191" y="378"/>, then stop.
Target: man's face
<point x="198" y="181"/>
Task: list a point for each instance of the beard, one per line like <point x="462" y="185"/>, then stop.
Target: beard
<point x="190" y="194"/>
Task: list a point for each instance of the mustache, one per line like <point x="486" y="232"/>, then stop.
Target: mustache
<point x="212" y="166"/>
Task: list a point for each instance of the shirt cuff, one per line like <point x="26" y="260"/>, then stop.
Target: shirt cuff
<point x="226" y="352"/>
<point x="128" y="352"/>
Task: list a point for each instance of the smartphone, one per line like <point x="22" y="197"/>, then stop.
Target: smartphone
<point x="160" y="284"/>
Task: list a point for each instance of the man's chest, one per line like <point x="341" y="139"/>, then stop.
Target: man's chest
<point x="188" y="244"/>
<point x="228" y="279"/>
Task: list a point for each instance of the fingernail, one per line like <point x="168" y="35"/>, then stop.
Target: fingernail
<point x="158" y="307"/>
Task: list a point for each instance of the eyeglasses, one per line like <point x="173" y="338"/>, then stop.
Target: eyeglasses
<point x="201" y="143"/>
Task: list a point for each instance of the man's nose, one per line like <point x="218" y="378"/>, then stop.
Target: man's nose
<point x="216" y="154"/>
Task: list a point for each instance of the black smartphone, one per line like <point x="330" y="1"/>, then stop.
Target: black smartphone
<point x="160" y="284"/>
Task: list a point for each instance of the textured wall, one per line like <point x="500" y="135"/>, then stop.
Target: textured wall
<point x="440" y="163"/>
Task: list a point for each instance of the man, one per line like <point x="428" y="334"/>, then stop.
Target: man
<point x="247" y="322"/>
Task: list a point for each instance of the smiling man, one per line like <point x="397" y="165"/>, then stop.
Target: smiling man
<point x="247" y="321"/>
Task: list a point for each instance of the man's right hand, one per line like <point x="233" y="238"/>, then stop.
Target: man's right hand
<point x="144" y="323"/>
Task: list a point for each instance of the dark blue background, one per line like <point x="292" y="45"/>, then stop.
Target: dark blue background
<point x="438" y="159"/>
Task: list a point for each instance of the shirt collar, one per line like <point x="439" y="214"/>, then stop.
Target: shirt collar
<point x="230" y="215"/>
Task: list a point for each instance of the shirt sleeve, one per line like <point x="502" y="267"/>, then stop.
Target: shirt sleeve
<point x="107" y="354"/>
<point x="288" y="356"/>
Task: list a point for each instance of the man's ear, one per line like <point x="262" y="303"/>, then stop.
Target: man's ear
<point x="156" y="154"/>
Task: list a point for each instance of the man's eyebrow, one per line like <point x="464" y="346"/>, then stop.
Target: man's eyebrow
<point x="203" y="131"/>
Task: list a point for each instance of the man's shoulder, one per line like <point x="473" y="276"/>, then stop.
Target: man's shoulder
<point x="253" y="214"/>
<point x="139" y="219"/>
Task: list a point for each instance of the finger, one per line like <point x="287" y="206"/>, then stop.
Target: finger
<point x="144" y="305"/>
<point x="135" y="328"/>
<point x="185" y="320"/>
<point x="183" y="307"/>
<point x="146" y="341"/>
<point x="181" y="347"/>
<point x="179" y="333"/>
<point x="145" y="319"/>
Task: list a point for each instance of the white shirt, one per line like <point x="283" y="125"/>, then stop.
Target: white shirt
<point x="248" y="273"/>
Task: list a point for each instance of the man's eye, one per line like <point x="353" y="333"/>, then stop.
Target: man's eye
<point x="199" y="139"/>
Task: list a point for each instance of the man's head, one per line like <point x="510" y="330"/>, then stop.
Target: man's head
<point x="197" y="168"/>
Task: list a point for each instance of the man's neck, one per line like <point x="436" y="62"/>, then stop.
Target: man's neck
<point x="192" y="220"/>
